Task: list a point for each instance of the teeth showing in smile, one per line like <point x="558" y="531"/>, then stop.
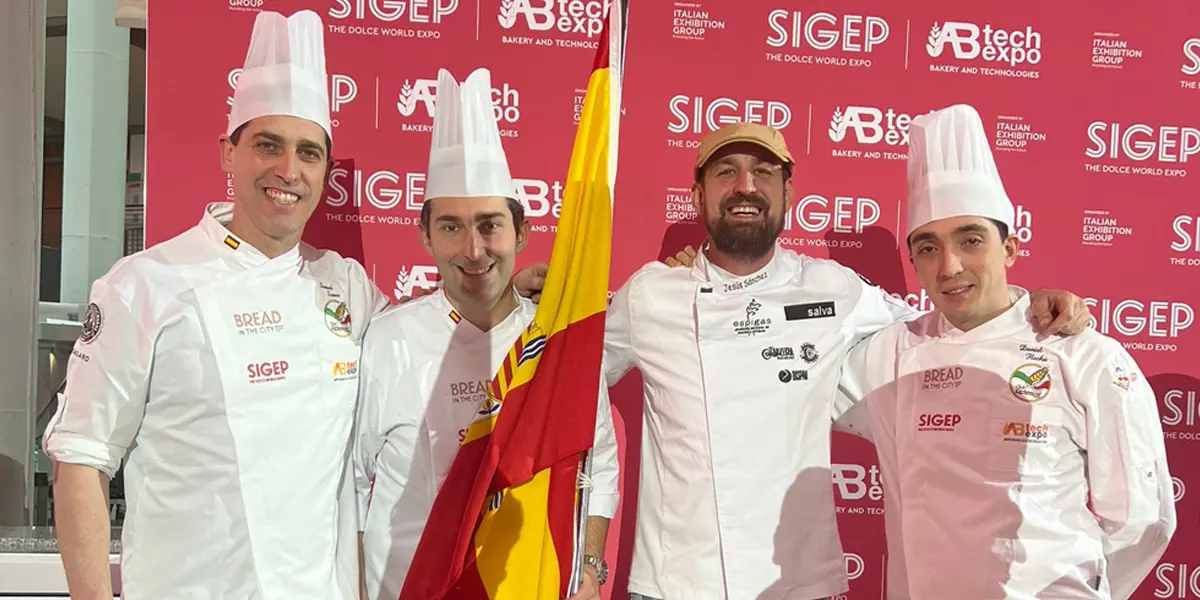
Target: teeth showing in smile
<point x="745" y="211"/>
<point x="957" y="291"/>
<point x="282" y="197"/>
<point x="475" y="270"/>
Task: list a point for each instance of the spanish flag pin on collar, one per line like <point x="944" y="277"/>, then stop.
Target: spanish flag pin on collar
<point x="232" y="242"/>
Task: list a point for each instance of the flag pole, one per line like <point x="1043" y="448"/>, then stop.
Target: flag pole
<point x="584" y="483"/>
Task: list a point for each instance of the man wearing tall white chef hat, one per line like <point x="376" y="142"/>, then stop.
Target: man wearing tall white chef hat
<point x="427" y="364"/>
<point x="222" y="365"/>
<point x="1012" y="468"/>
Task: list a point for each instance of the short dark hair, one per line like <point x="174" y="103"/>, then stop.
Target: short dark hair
<point x="236" y="136"/>
<point x="1001" y="228"/>
<point x="516" y="208"/>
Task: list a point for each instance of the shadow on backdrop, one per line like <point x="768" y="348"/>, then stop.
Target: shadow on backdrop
<point x="873" y="254"/>
<point x="328" y="227"/>
<point x="679" y="235"/>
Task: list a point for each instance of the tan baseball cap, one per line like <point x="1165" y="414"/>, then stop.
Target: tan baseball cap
<point x="767" y="137"/>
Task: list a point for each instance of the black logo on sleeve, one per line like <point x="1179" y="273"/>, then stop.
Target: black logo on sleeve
<point x="93" y="320"/>
<point x="815" y="310"/>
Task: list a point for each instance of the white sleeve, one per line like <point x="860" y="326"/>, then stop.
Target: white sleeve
<point x="876" y="309"/>
<point x="108" y="375"/>
<point x="850" y="402"/>
<point x="1131" y="489"/>
<point x="604" y="497"/>
<point x="619" y="357"/>
<point x="368" y="428"/>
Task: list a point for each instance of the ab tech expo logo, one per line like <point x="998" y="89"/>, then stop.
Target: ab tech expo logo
<point x="421" y="276"/>
<point x="1003" y="53"/>
<point x="1026" y="433"/>
<point x="506" y="105"/>
<point x="345" y="371"/>
<point x="822" y="38"/>
<point x="554" y="23"/>
<point x="883" y="130"/>
<point x="1030" y="382"/>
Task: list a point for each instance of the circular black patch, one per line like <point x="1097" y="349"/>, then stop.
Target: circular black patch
<point x="785" y="376"/>
<point x="93" y="319"/>
<point x="809" y="353"/>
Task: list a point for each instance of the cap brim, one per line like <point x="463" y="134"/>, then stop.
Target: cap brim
<point x="747" y="139"/>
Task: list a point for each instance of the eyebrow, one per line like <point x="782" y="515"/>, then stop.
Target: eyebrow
<point x="304" y="143"/>
<point x="478" y="218"/>
<point x="961" y="230"/>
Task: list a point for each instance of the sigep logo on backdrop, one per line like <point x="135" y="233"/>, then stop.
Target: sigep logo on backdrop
<point x="553" y="23"/>
<point x="343" y="89"/>
<point x="376" y="18"/>
<point x="883" y="132"/>
<point x="1120" y="144"/>
<point x="1177" y="580"/>
<point x="418" y="97"/>
<point x="1130" y="318"/>
<point x="1186" y="241"/>
<point x="824" y="38"/>
<point x="991" y="51"/>
<point x="1191" y="58"/>
<point x="385" y="190"/>
<point x="1179" y="414"/>
<point x="697" y="115"/>
<point x="815" y="213"/>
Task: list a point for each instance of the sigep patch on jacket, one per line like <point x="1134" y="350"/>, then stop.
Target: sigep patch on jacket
<point x="813" y="310"/>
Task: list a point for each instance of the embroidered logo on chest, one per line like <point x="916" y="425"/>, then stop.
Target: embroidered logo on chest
<point x="1030" y="382"/>
<point x="337" y="318"/>
<point x="1026" y="433"/>
<point x="752" y="325"/>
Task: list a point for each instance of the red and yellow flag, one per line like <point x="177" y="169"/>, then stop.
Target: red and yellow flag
<point x="502" y="525"/>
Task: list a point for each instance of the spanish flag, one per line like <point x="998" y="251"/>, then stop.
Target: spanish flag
<point x="502" y="525"/>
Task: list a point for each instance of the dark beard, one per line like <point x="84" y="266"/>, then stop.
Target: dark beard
<point x="749" y="241"/>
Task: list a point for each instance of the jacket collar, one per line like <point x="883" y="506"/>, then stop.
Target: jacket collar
<point x="234" y="250"/>
<point x="1017" y="318"/>
<point x="776" y="272"/>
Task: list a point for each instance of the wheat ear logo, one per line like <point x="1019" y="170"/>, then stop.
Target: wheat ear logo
<point x="407" y="103"/>
<point x="837" y="125"/>
<point x="936" y="44"/>
<point x="403" y="287"/>
<point x="508" y="13"/>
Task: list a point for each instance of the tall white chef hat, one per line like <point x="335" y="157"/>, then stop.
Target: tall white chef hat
<point x="284" y="73"/>
<point x="951" y="172"/>
<point x="466" y="158"/>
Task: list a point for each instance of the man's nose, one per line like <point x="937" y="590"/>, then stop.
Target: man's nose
<point x="475" y="247"/>
<point x="745" y="183"/>
<point x="951" y="265"/>
<point x="287" y="168"/>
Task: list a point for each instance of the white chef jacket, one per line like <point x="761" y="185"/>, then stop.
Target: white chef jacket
<point x="1012" y="468"/>
<point x="229" y="378"/>
<point x="735" y="500"/>
<point x="425" y="371"/>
